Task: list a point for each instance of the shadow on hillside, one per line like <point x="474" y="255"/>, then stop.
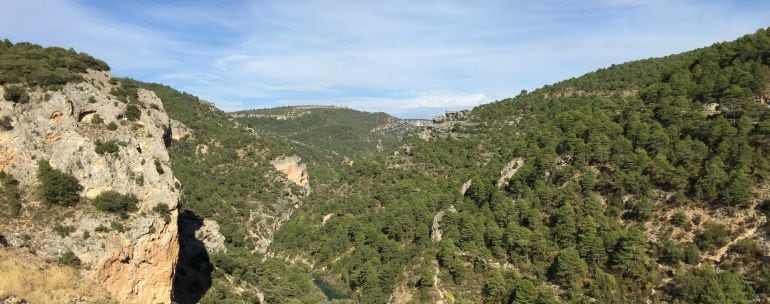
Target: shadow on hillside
<point x="193" y="271"/>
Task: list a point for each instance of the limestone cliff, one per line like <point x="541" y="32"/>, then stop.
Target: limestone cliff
<point x="133" y="258"/>
<point x="294" y="169"/>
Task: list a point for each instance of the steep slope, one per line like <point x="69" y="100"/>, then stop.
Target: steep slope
<point x="85" y="172"/>
<point x="238" y="188"/>
<point x="645" y="181"/>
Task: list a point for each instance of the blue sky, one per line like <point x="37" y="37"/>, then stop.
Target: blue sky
<point x="408" y="58"/>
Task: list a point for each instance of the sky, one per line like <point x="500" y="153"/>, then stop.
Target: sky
<point x="411" y="59"/>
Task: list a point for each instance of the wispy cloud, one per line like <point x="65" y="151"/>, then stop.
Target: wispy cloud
<point x="407" y="58"/>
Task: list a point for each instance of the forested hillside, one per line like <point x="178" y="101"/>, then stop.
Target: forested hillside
<point x="344" y="132"/>
<point x="642" y="181"/>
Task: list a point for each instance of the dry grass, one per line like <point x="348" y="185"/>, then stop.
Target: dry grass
<point x="33" y="279"/>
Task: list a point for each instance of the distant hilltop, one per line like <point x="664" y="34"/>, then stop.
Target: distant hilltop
<point x="284" y="113"/>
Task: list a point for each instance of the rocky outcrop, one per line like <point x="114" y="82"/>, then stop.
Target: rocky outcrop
<point x="294" y="169"/>
<point x="132" y="258"/>
<point x="179" y="131"/>
<point x="509" y="170"/>
<point x="435" y="228"/>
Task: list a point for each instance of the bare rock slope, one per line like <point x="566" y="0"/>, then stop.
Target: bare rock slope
<point x="133" y="258"/>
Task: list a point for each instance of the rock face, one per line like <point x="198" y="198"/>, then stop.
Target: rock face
<point x="509" y="170"/>
<point x="294" y="169"/>
<point x="132" y="258"/>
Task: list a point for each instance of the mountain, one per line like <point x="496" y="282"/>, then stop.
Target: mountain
<point x="344" y="132"/>
<point x="644" y="181"/>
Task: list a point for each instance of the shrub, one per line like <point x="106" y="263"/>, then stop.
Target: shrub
<point x="108" y="147"/>
<point x="715" y="235"/>
<point x="112" y="126"/>
<point x="692" y="254"/>
<point x="56" y="186"/>
<point x="5" y="123"/>
<point x="9" y="193"/>
<point x="117" y="226"/>
<point x="70" y="259"/>
<point x="158" y="167"/>
<point x="678" y="219"/>
<point x="63" y="231"/>
<point x="163" y="210"/>
<point x="133" y="112"/>
<point x="115" y="202"/>
<point x="16" y="94"/>
<point x="97" y="119"/>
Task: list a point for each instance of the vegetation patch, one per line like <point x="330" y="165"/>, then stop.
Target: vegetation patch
<point x="45" y="67"/>
<point x="163" y="210"/>
<point x="107" y="147"/>
<point x="15" y="93"/>
<point x="133" y="113"/>
<point x="10" y="194"/>
<point x="57" y="187"/>
<point x="115" y="202"/>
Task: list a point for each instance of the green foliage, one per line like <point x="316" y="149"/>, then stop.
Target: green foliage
<point x="158" y="167"/>
<point x="107" y="147"/>
<point x="679" y="219"/>
<point x="10" y="194"/>
<point x="163" y="210"/>
<point x="692" y="254"/>
<point x="57" y="187"/>
<point x="69" y="258"/>
<point x="112" y="126"/>
<point x="707" y="286"/>
<point x="713" y="235"/>
<point x="133" y="113"/>
<point x="126" y="90"/>
<point x="15" y="93"/>
<point x="97" y="119"/>
<point x="568" y="268"/>
<point x="63" y="231"/>
<point x="115" y="202"/>
<point x="6" y="123"/>
<point x="46" y="67"/>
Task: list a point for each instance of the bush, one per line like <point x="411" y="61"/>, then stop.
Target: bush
<point x="108" y="147"/>
<point x="112" y="126"/>
<point x="16" y="94"/>
<point x="5" y="123"/>
<point x="9" y="193"/>
<point x="692" y="254"/>
<point x="57" y="187"/>
<point x="158" y="167"/>
<point x="163" y="210"/>
<point x="63" y="231"/>
<point x="133" y="112"/>
<point x="678" y="219"/>
<point x="97" y="119"/>
<point x="715" y="235"/>
<point x="115" y="202"/>
<point x="70" y="259"/>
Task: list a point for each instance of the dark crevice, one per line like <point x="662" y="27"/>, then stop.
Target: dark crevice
<point x="193" y="271"/>
<point x="84" y="114"/>
<point x="167" y="136"/>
